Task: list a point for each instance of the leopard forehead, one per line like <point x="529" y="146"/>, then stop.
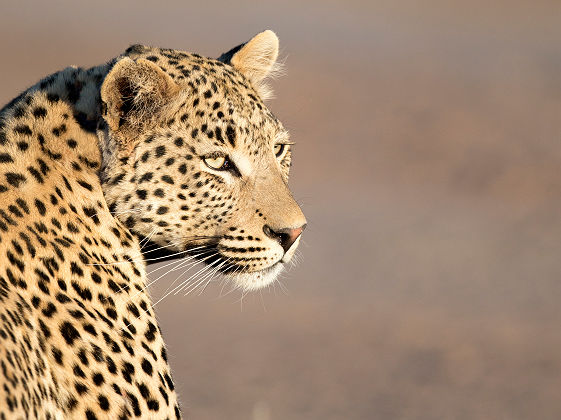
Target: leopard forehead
<point x="205" y="78"/>
<point x="218" y="107"/>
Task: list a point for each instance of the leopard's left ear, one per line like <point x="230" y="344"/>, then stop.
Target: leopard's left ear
<point x="256" y="60"/>
<point x="135" y="94"/>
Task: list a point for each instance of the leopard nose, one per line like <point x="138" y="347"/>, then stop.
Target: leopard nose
<point x="286" y="236"/>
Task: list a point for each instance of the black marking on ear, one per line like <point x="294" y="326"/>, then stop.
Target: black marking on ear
<point x="135" y="49"/>
<point x="85" y="123"/>
<point x="227" y="56"/>
<point x="127" y="94"/>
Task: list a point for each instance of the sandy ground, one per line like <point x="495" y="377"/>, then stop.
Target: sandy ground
<point x="427" y="162"/>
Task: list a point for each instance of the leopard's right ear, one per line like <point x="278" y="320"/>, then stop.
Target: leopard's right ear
<point x="257" y="60"/>
<point x="134" y="94"/>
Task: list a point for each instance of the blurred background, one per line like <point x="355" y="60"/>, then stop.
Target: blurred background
<point x="428" y="165"/>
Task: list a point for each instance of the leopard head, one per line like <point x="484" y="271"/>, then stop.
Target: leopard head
<point x="195" y="163"/>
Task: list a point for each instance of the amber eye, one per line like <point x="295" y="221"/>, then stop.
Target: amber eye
<point x="218" y="163"/>
<point x="279" y="149"/>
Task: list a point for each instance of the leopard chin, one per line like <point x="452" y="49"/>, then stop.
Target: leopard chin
<point x="256" y="280"/>
<point x="243" y="277"/>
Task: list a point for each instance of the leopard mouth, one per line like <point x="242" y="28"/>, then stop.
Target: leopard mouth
<point x="241" y="275"/>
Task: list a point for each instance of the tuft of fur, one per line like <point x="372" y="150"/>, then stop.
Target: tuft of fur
<point x="263" y="87"/>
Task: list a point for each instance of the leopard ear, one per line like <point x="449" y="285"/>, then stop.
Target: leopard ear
<point x="134" y="93"/>
<point x="256" y="60"/>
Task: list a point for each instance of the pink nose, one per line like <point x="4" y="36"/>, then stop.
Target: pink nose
<point x="286" y="236"/>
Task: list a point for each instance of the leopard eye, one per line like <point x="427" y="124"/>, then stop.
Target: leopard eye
<point x="279" y="149"/>
<point x="218" y="163"/>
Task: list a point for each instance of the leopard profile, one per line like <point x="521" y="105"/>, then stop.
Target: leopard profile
<point x="157" y="146"/>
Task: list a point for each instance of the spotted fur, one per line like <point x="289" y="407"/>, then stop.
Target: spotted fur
<point x="91" y="162"/>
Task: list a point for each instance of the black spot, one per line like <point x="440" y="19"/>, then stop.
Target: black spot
<point x="69" y="332"/>
<point x="76" y="269"/>
<point x="15" y="211"/>
<point x="153" y="405"/>
<point x="83" y="292"/>
<point x="146" y="177"/>
<point x="57" y="354"/>
<point x="44" y="329"/>
<point x="22" y="145"/>
<point x="23" y="205"/>
<point x="52" y="97"/>
<point x="96" y="278"/>
<point x="40" y="112"/>
<point x="169" y="382"/>
<point x="83" y="357"/>
<point x="141" y="194"/>
<point x="97" y="353"/>
<point x="23" y="129"/>
<point x="118" y="178"/>
<point x="111" y="367"/>
<point x="135" y="406"/>
<point x="89" y="328"/>
<point x="5" y="158"/>
<point x="160" y="151"/>
<point x="218" y="133"/>
<point x="150" y="333"/>
<point x="36" y="174"/>
<point x="49" y="310"/>
<point x="168" y="179"/>
<point x="98" y="379"/>
<point x="127" y="371"/>
<point x="91" y="213"/>
<point x="111" y="313"/>
<point x="71" y="143"/>
<point x="40" y="207"/>
<point x="147" y="366"/>
<point x="71" y="403"/>
<point x="231" y="134"/>
<point x="89" y="413"/>
<point x="57" y="131"/>
<point x="15" y="179"/>
<point x="77" y="370"/>
<point x="130" y="222"/>
<point x="19" y="112"/>
<point x="67" y="184"/>
<point x="103" y="402"/>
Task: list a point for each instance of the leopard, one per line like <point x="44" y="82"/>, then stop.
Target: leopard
<point x="156" y="147"/>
